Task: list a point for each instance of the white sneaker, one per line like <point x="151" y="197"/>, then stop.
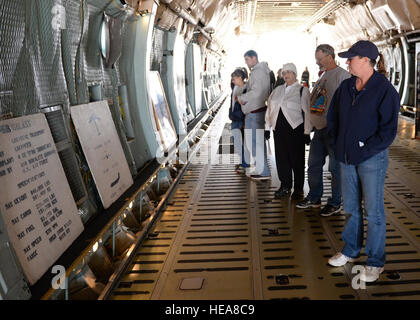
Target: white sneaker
<point x="249" y="171"/>
<point x="257" y="177"/>
<point x="371" y="274"/>
<point x="339" y="260"/>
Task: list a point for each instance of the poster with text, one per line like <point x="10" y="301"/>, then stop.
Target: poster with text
<point x="103" y="151"/>
<point x="36" y="202"/>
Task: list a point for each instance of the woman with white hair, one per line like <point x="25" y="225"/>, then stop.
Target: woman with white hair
<point x="288" y="106"/>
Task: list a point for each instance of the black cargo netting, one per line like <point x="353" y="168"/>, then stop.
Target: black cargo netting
<point x="12" y="30"/>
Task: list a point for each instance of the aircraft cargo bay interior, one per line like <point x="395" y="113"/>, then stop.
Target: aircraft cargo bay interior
<point x="209" y="150"/>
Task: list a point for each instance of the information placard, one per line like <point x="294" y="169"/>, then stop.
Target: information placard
<point x="101" y="145"/>
<point x="35" y="198"/>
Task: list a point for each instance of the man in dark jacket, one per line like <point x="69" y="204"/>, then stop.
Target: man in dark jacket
<point x="305" y="77"/>
<point x="272" y="80"/>
<point x="280" y="79"/>
<point x="362" y="123"/>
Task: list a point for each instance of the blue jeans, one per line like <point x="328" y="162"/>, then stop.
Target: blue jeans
<point x="238" y="144"/>
<point x="255" y="142"/>
<point x="319" y="150"/>
<point x="365" y="180"/>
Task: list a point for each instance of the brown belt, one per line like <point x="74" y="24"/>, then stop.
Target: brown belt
<point x="259" y="110"/>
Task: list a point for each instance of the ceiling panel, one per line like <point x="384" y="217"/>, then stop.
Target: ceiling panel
<point x="277" y="15"/>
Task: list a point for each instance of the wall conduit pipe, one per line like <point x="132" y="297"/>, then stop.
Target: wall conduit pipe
<point x="184" y="14"/>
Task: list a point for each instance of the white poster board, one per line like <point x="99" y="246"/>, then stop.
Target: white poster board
<point x="179" y="80"/>
<point x="102" y="148"/>
<point x="162" y="115"/>
<point x="35" y="198"/>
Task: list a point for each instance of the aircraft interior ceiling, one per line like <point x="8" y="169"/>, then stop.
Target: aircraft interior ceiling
<point x="348" y="20"/>
<point x="103" y="104"/>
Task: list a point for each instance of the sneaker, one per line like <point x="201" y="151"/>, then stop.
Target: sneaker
<point x="371" y="274"/>
<point x="339" y="260"/>
<point x="257" y="177"/>
<point x="240" y="169"/>
<point x="306" y="203"/>
<point x="282" y="193"/>
<point x="297" y="195"/>
<point x="249" y="172"/>
<point x="329" y="210"/>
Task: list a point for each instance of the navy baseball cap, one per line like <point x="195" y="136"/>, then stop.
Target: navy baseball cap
<point x="362" y="48"/>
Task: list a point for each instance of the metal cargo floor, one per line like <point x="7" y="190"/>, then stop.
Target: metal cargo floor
<point x="223" y="236"/>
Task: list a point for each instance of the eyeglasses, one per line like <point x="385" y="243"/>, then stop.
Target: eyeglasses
<point x="286" y="72"/>
<point x="320" y="59"/>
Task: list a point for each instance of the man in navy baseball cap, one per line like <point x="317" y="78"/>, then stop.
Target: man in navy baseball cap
<point x="362" y="48"/>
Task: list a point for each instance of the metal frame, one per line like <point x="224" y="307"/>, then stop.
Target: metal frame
<point x="65" y="144"/>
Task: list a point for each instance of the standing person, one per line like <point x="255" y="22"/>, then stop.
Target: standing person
<point x="237" y="117"/>
<point x="380" y="66"/>
<point x="321" y="97"/>
<point x="280" y="79"/>
<point x="362" y="123"/>
<point x="253" y="106"/>
<point x="287" y="107"/>
<point x="272" y="79"/>
<point x="305" y="77"/>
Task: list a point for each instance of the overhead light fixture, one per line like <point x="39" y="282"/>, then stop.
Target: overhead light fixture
<point x="140" y="9"/>
<point x="209" y="30"/>
<point x="95" y="247"/>
<point x="143" y="12"/>
<point x="282" y="4"/>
